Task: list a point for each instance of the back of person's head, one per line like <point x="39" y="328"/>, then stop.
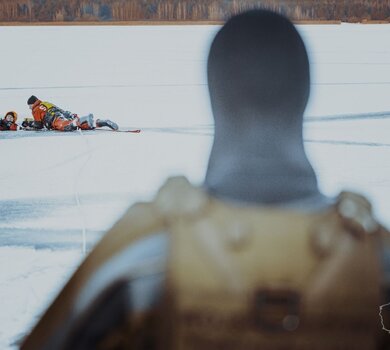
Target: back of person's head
<point x="31" y="100"/>
<point x="259" y="83"/>
<point x="258" y="61"/>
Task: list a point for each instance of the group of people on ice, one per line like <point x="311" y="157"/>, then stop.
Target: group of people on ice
<point x="49" y="116"/>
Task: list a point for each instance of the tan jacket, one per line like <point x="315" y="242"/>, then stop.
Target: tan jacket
<point x="237" y="278"/>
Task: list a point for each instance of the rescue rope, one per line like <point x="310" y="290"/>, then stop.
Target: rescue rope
<point x="77" y="195"/>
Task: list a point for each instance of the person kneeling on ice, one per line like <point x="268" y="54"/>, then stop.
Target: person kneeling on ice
<point x="9" y="121"/>
<point x="49" y="116"/>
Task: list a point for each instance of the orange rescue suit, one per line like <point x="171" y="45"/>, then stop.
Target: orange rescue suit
<point x="48" y="115"/>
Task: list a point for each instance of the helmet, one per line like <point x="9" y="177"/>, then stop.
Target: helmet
<point x="32" y="100"/>
<point x="13" y="114"/>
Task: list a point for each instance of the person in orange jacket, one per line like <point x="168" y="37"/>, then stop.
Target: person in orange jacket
<point x="49" y="116"/>
<point x="9" y="121"/>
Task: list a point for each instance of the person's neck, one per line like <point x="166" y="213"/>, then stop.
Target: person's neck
<point x="264" y="164"/>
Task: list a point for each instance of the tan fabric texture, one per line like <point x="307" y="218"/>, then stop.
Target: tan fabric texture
<point x="245" y="277"/>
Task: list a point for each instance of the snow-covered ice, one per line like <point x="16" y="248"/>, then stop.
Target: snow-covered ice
<point x="54" y="187"/>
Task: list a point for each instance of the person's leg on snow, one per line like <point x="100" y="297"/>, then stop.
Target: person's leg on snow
<point x="62" y="124"/>
<point x="105" y="122"/>
<point x="86" y="122"/>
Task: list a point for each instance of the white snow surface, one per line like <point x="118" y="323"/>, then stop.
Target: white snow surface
<point x="54" y="187"/>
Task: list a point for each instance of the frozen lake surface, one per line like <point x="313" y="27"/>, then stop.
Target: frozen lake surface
<point x="56" y="189"/>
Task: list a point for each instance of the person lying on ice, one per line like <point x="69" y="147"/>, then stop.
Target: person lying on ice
<point x="9" y="121"/>
<point x="48" y="115"/>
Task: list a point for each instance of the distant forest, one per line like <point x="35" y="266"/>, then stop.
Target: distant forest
<point x="187" y="10"/>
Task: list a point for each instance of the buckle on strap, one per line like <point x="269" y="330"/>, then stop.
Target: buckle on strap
<point x="276" y="310"/>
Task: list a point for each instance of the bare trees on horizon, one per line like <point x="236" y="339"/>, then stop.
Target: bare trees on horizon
<point x="183" y="10"/>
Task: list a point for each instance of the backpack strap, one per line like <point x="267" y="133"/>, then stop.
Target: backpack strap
<point x="344" y="294"/>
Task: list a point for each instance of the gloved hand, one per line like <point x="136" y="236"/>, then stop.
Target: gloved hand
<point x="7" y="124"/>
<point x="28" y="122"/>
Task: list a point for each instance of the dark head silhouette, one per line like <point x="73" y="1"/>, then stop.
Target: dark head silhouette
<point x="259" y="82"/>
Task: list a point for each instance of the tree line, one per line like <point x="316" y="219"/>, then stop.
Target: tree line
<point x="187" y="10"/>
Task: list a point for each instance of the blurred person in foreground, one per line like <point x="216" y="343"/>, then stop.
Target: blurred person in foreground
<point x="257" y="258"/>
